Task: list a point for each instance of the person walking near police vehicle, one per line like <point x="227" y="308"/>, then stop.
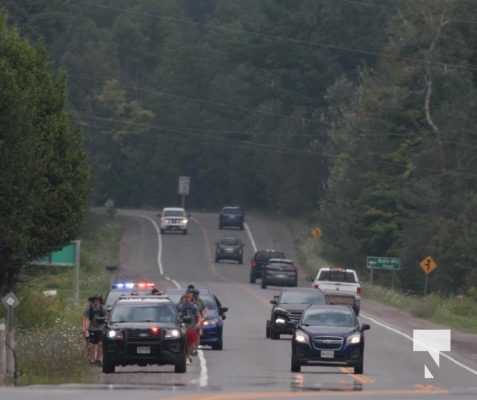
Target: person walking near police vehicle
<point x="203" y="311"/>
<point x="188" y="309"/>
<point x="93" y="323"/>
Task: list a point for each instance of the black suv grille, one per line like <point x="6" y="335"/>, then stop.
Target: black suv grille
<point x="295" y="316"/>
<point x="142" y="335"/>
<point x="327" y="342"/>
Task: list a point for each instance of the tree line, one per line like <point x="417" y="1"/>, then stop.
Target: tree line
<point x="356" y="115"/>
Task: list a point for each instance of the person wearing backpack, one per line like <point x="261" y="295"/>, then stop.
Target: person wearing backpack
<point x="188" y="309"/>
<point x="93" y="323"/>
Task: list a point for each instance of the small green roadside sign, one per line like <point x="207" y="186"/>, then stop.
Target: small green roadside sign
<point x="387" y="263"/>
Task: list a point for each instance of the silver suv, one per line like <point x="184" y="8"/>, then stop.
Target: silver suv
<point x="174" y="219"/>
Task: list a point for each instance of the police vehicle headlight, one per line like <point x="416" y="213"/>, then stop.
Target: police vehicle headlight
<point x="184" y="221"/>
<point x="301" y="337"/>
<point x="210" y="322"/>
<point x="354" y="339"/>
<point x="115" y="334"/>
<point x="172" y="334"/>
<point x="280" y="321"/>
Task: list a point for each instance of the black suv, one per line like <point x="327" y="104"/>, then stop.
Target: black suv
<point x="259" y="260"/>
<point x="229" y="248"/>
<point x="288" y="307"/>
<point x="144" y="330"/>
<point x="231" y="216"/>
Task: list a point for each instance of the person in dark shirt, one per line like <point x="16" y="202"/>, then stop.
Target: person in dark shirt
<point x="187" y="308"/>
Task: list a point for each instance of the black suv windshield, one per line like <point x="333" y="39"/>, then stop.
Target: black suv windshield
<point x="321" y="318"/>
<point x="266" y="255"/>
<point x="230" y="242"/>
<point x="302" y="298"/>
<point x="143" y="313"/>
<point x="232" y="210"/>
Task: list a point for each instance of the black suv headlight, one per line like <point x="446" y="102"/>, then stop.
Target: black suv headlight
<point x="114" y="334"/>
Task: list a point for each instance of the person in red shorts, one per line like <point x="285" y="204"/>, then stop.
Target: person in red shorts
<point x="187" y="308"/>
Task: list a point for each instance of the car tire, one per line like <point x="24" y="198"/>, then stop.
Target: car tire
<point x="356" y="310"/>
<point x="252" y="277"/>
<point x="240" y="260"/>
<point x="181" y="367"/>
<point x="267" y="330"/>
<point x="217" y="259"/>
<point x="263" y="285"/>
<point x="358" y="368"/>
<point x="295" y="364"/>
<point x="218" y="346"/>
<point x="241" y="227"/>
<point x="220" y="226"/>
<point x="162" y="231"/>
<point x="108" y="366"/>
<point x="274" y="335"/>
<point x="184" y="232"/>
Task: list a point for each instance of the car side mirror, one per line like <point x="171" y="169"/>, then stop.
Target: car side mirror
<point x="159" y="215"/>
<point x="309" y="278"/>
<point x="365" y="327"/>
<point x="223" y="309"/>
<point x="274" y="301"/>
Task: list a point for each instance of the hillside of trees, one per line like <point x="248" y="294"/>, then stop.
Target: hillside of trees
<point x="358" y="115"/>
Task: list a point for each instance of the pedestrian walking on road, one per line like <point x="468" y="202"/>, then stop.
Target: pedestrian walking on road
<point x="93" y="323"/>
<point x="189" y="310"/>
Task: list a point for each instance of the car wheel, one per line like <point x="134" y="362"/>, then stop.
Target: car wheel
<point x="218" y="346"/>
<point x="181" y="367"/>
<point x="220" y="226"/>
<point x="274" y="335"/>
<point x="263" y="284"/>
<point x="162" y="231"/>
<point x="295" y="364"/>
<point x="241" y="227"/>
<point x="184" y="232"/>
<point x="240" y="260"/>
<point x="295" y="284"/>
<point x="108" y="366"/>
<point x="358" y="369"/>
<point x="267" y="330"/>
<point x="356" y="310"/>
<point x="217" y="259"/>
<point x="252" y="277"/>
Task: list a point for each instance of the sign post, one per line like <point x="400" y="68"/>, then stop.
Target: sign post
<point x="383" y="263"/>
<point x="427" y="265"/>
<point x="10" y="301"/>
<point x="184" y="187"/>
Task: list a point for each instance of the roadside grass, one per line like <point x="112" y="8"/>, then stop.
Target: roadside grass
<point x="50" y="347"/>
<point x="453" y="312"/>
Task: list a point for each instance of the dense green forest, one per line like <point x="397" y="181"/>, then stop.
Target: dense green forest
<point x="358" y="115"/>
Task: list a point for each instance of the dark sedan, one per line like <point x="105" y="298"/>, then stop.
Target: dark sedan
<point x="279" y="272"/>
<point x="288" y="307"/>
<point x="229" y="248"/>
<point x="328" y="335"/>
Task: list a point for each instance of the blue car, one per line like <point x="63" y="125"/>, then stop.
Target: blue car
<point x="328" y="335"/>
<point x="212" y="327"/>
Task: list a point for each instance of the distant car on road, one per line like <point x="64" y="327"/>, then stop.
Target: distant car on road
<point x="259" y="259"/>
<point x="173" y="219"/>
<point x="328" y="335"/>
<point x="229" y="248"/>
<point x="212" y="327"/>
<point x="231" y="216"/>
<point x="288" y="307"/>
<point x="279" y="272"/>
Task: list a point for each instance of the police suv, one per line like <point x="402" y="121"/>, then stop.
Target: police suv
<point x="144" y="330"/>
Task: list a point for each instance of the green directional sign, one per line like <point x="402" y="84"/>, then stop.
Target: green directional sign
<point x="66" y="256"/>
<point x="389" y="263"/>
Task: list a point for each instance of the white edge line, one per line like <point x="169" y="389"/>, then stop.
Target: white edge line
<point x="458" y="363"/>
<point x="250" y="236"/>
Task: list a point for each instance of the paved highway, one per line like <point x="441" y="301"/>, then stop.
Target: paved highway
<point x="251" y="366"/>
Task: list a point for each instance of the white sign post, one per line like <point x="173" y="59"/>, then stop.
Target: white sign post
<point x="184" y="187"/>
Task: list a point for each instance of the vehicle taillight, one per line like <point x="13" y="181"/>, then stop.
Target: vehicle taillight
<point x="358" y="290"/>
